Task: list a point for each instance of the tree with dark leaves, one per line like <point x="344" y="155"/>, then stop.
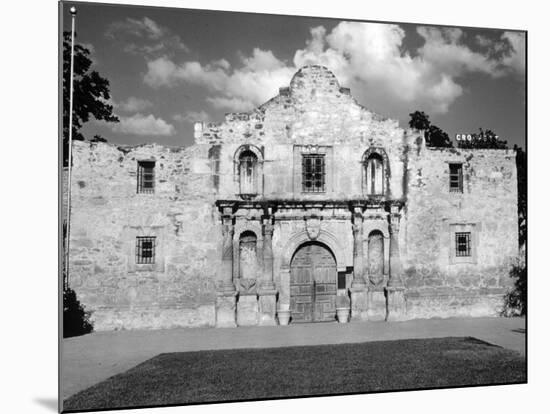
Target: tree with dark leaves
<point x="515" y="301"/>
<point x="435" y="136"/>
<point x="91" y="93"/>
<point x="484" y="139"/>
<point x="76" y="321"/>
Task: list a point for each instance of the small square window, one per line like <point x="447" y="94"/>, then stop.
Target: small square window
<point x="145" y="250"/>
<point x="463" y="246"/>
<point x="146" y="177"/>
<point x="455" y="178"/>
<point x="313" y="173"/>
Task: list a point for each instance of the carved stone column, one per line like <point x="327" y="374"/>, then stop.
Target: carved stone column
<point x="395" y="292"/>
<point x="228" y="231"/>
<point x="267" y="293"/>
<point x="267" y="280"/>
<point x="358" y="290"/>
<point x="396" y="269"/>
<point x="358" y="265"/>
<point x="226" y="296"/>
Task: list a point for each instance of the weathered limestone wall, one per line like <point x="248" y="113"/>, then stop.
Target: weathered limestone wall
<point x="314" y="113"/>
<point x="107" y="215"/>
<point x="488" y="207"/>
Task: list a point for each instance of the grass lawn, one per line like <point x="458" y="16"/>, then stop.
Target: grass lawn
<point x="246" y="374"/>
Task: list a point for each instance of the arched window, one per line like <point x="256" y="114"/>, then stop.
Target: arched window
<point x="374" y="175"/>
<point x="248" y="173"/>
<point x="248" y="262"/>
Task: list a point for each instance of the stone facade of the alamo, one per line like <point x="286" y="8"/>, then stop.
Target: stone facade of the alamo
<point x="308" y="208"/>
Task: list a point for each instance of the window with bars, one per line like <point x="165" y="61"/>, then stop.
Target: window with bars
<point x="146" y="177"/>
<point x="463" y="246"/>
<point x="313" y="173"/>
<point x="145" y="250"/>
<point x="455" y="178"/>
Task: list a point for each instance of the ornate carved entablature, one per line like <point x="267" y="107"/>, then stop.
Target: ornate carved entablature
<point x="372" y="215"/>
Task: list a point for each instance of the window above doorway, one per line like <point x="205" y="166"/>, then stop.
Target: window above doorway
<point x="313" y="173"/>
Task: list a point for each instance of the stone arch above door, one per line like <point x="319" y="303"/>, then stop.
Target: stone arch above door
<point x="313" y="283"/>
<point x="324" y="237"/>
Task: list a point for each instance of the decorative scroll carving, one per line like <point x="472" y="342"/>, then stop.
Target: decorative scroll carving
<point x="313" y="227"/>
<point x="247" y="285"/>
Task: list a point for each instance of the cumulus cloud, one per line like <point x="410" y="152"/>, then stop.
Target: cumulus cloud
<point x="257" y="80"/>
<point x="145" y="27"/>
<point x="483" y="41"/>
<point x="145" y="36"/>
<point x="515" y="57"/>
<point x="140" y="124"/>
<point x="133" y="104"/>
<point x="368" y="57"/>
<point x="192" y="116"/>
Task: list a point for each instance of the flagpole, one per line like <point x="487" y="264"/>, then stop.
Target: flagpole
<point x="68" y="219"/>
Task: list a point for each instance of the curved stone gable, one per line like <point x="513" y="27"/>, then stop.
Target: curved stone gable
<point x="314" y="109"/>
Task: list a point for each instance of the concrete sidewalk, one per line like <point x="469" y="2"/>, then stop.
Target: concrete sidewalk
<point x="89" y="359"/>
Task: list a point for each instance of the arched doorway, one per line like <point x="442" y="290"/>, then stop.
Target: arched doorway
<point x="313" y="278"/>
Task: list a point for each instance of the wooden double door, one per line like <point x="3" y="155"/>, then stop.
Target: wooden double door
<point x="313" y="277"/>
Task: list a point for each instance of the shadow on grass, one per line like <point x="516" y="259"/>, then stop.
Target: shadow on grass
<point x="252" y="374"/>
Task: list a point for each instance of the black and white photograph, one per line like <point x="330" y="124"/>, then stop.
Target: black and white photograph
<point x="261" y="206"/>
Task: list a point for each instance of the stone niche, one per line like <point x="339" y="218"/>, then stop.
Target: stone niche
<point x="247" y="251"/>
<point x="376" y="259"/>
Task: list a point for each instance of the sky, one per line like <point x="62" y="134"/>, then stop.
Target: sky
<point x="170" y="67"/>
